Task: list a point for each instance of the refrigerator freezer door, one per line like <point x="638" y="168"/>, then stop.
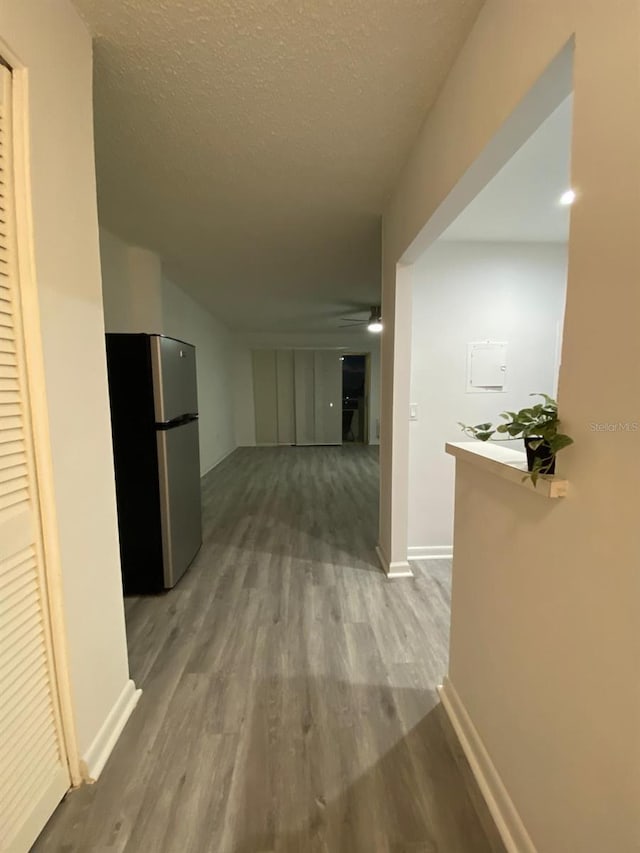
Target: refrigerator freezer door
<point x="174" y="378"/>
<point x="181" y="513"/>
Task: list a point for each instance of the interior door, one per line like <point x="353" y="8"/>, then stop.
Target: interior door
<point x="327" y="396"/>
<point x="33" y="770"/>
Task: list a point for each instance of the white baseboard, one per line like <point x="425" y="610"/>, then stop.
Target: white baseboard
<point x="221" y="459"/>
<point x="429" y="552"/>
<point x="393" y="570"/>
<point x="503" y="811"/>
<point x="96" y="756"/>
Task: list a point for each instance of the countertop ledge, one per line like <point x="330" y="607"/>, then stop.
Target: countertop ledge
<point x="508" y="464"/>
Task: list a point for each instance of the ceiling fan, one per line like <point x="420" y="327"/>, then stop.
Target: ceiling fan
<point x="373" y="324"/>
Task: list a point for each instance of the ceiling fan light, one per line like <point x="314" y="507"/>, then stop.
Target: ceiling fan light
<point x="375" y="320"/>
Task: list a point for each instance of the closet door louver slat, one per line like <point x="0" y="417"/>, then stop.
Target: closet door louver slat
<point x="33" y="771"/>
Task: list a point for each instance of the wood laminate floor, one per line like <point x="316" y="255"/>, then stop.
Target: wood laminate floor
<point x="289" y="696"/>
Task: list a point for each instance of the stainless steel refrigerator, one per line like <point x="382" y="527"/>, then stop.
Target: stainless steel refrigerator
<point x="154" y="418"/>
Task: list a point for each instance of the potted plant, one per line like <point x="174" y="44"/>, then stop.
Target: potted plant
<point x="538" y="426"/>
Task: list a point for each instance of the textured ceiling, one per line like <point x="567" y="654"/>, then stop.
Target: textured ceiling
<point x="253" y="143"/>
<point x="521" y="203"/>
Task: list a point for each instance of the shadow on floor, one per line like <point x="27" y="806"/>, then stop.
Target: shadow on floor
<point x="363" y="787"/>
<point x="314" y="764"/>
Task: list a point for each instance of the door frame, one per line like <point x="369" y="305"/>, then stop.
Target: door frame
<point x="31" y="333"/>
<point x="367" y="388"/>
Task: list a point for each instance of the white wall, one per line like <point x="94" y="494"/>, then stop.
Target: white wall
<point x="185" y="319"/>
<point x="544" y="638"/>
<point x="131" y="286"/>
<point x="55" y="49"/>
<point x="465" y="292"/>
<point x="138" y="298"/>
<point x="243" y="372"/>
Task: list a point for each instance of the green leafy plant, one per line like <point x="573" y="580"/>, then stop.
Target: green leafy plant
<point x="537" y="425"/>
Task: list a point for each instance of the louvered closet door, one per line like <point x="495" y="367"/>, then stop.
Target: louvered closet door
<point x="33" y="770"/>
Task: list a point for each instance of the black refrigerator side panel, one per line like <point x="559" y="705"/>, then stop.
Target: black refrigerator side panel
<point x="136" y="462"/>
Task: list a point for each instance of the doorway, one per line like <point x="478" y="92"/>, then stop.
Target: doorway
<point x="489" y="291"/>
<point x="355" y="398"/>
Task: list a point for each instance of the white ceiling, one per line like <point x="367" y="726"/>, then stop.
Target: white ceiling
<point x="253" y="144"/>
<point x="521" y="202"/>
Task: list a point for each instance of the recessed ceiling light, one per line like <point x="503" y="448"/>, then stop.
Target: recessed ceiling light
<point x="567" y="197"/>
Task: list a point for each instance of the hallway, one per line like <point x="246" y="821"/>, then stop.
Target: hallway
<point x="289" y="696"/>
